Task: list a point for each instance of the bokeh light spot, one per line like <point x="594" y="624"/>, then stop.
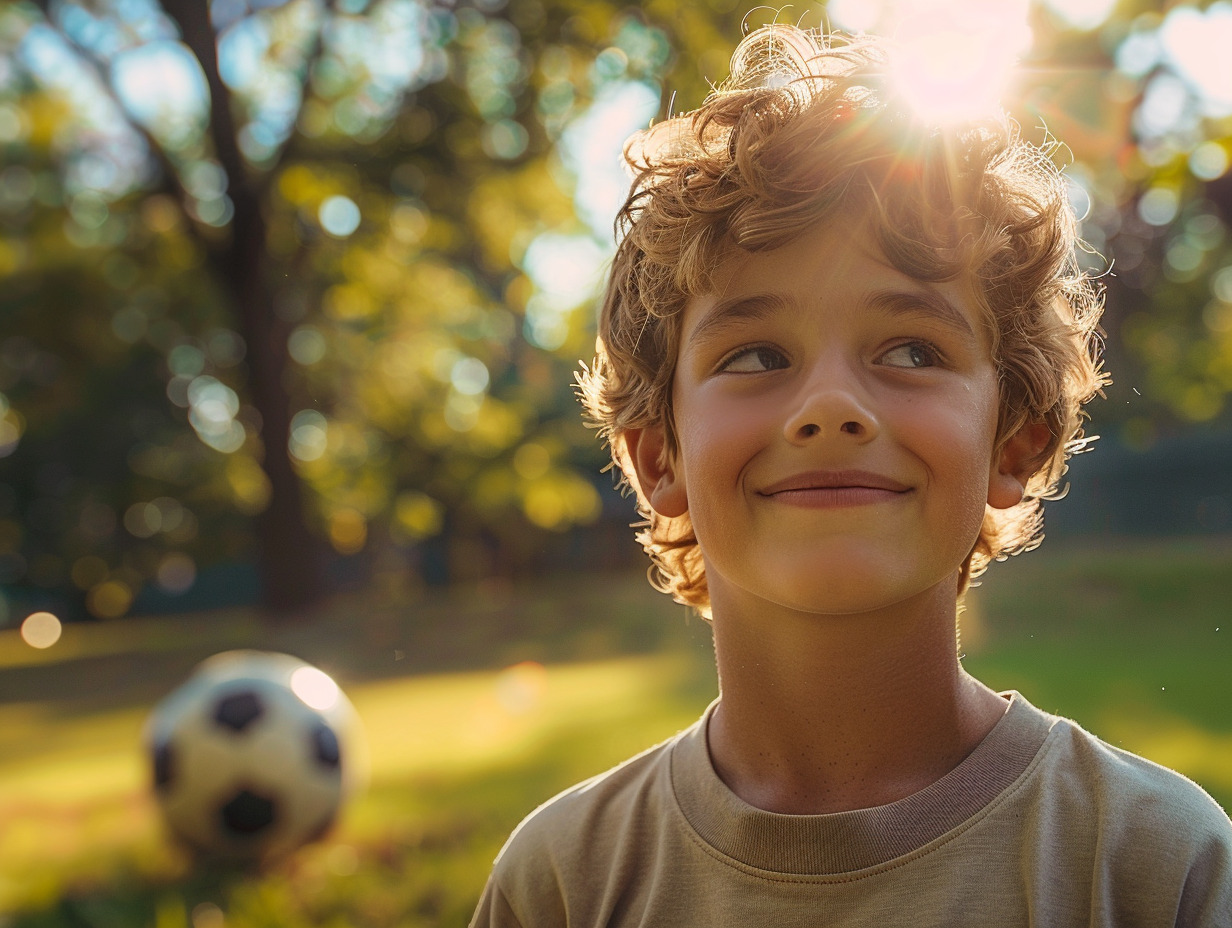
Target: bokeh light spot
<point x="521" y="688"/>
<point x="418" y="515"/>
<point x="226" y="348"/>
<point x="216" y="212"/>
<point x="408" y="223"/>
<point x="41" y="630"/>
<point x="462" y="411"/>
<point x="1159" y="206"/>
<point x="213" y="406"/>
<point x="186" y="360"/>
<point x="177" y="572"/>
<point x="1197" y="44"/>
<point x="109" y="599"/>
<point x="12" y="123"/>
<point x="1221" y="284"/>
<point x="315" y="688"/>
<point x="10" y="435"/>
<point x="143" y="520"/>
<point x="309" y="435"/>
<point x="306" y="345"/>
<point x="505" y="139"/>
<point x="531" y="461"/>
<point x="592" y="144"/>
<point x="208" y="915"/>
<point x="559" y="501"/>
<point x="339" y="216"/>
<point x="163" y="86"/>
<point x="1208" y="161"/>
<point x="469" y="376"/>
<point x="348" y="531"/>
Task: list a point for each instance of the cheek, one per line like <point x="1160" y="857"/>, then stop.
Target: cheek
<point x="718" y="434"/>
<point x="955" y="439"/>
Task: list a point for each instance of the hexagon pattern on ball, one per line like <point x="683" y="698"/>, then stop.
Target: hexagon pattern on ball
<point x="238" y="710"/>
<point x="253" y="755"/>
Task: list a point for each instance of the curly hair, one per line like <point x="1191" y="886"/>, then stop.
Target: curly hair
<point x="807" y="126"/>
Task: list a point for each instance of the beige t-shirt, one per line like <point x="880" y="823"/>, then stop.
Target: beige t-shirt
<point x="1043" y="824"/>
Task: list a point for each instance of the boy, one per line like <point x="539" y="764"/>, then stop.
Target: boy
<point x="841" y="359"/>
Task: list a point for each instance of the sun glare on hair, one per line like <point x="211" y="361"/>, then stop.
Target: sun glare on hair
<point x="954" y="58"/>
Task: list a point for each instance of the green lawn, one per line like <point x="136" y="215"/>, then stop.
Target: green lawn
<point x="1134" y="642"/>
<point x="480" y="704"/>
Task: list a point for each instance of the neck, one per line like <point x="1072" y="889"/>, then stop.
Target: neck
<point x="824" y="713"/>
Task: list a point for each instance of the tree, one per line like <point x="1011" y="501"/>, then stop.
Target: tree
<point x="1150" y="117"/>
<point x="350" y="215"/>
<point x="322" y="265"/>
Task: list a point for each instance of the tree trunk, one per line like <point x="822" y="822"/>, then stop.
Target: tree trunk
<point x="288" y="556"/>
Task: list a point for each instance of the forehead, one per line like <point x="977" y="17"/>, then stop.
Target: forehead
<point x="836" y="263"/>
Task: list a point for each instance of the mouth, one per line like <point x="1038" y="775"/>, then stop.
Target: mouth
<point x="831" y="488"/>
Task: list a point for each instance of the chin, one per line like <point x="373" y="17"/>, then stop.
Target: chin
<point x="849" y="586"/>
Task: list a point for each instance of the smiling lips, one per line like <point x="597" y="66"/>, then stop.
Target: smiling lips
<point x="824" y="489"/>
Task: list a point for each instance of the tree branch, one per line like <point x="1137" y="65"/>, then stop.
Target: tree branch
<point x="193" y="19"/>
<point x="173" y="183"/>
<point x="329" y="9"/>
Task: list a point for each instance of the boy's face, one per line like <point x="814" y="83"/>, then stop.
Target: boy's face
<point x="835" y="422"/>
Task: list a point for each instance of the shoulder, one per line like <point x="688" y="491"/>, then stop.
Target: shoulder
<point x="1116" y="780"/>
<point x="583" y="812"/>
<point x="1154" y="836"/>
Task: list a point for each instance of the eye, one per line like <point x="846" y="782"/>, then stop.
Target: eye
<point x="911" y="354"/>
<point x="754" y="360"/>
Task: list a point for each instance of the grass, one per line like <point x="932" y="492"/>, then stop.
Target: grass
<point x="482" y="703"/>
<point x="1134" y="641"/>
<point x="477" y="705"/>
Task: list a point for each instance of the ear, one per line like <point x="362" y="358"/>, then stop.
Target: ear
<point x="1014" y="465"/>
<point x="657" y="476"/>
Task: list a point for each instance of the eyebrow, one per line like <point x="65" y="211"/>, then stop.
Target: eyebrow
<point x="922" y="302"/>
<point x="733" y="312"/>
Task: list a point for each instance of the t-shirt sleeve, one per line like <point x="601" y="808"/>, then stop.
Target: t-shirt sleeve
<point x="523" y="890"/>
<point x="1206" y="900"/>
<point x="494" y="910"/>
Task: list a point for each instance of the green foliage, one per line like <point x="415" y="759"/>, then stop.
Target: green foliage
<point x="1150" y="144"/>
<point x="399" y="156"/>
<point x="321" y="253"/>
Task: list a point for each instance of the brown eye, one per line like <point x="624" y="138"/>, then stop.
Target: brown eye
<point x="754" y="360"/>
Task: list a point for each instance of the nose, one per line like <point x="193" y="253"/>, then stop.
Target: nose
<point x="831" y="404"/>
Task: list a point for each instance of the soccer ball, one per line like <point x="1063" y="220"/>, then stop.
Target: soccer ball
<point x="253" y="755"/>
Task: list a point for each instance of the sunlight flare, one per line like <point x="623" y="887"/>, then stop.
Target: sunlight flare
<point x="954" y="58"/>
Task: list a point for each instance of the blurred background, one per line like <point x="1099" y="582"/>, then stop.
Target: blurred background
<point x="291" y="297"/>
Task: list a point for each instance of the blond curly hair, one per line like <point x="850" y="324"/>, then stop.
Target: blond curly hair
<point x="807" y="125"/>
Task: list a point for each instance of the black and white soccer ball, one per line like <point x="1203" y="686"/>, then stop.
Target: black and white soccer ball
<point x="253" y="756"/>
